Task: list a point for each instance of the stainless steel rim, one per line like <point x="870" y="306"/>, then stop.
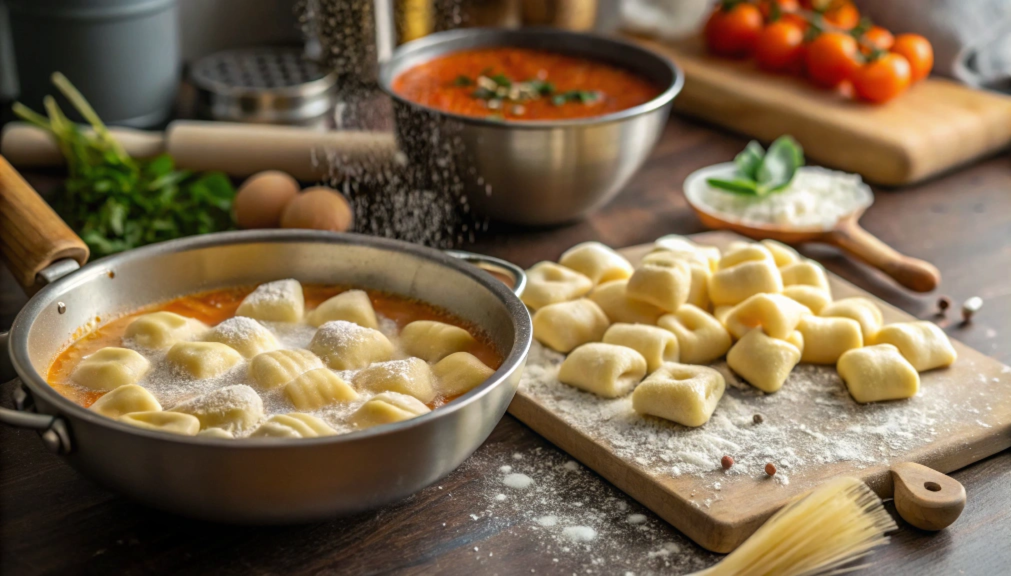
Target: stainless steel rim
<point x="37" y="385"/>
<point x="507" y="37"/>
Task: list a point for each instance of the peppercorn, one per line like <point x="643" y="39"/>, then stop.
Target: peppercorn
<point x="757" y="419"/>
<point x="943" y="303"/>
<point x="770" y="469"/>
<point x="970" y="307"/>
<point x="727" y="462"/>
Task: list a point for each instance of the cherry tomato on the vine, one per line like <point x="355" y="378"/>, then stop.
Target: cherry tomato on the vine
<point x="879" y="38"/>
<point x="780" y="47"/>
<point x="918" y="51"/>
<point x="832" y="58"/>
<point x="734" y="32"/>
<point x="882" y="79"/>
<point x="843" y="15"/>
<point x="784" y="6"/>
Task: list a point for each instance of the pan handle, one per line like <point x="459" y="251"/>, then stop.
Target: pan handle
<point x="496" y="267"/>
<point x="32" y="236"/>
<point x="52" y="429"/>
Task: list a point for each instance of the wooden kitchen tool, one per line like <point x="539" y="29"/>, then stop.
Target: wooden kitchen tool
<point x="848" y="236"/>
<point x="936" y="125"/>
<point x="719" y="512"/>
<point x="926" y="498"/>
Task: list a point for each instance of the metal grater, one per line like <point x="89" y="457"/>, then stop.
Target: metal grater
<point x="263" y="85"/>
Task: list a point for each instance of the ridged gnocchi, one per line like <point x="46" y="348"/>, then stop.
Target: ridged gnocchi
<point x="110" y="368"/>
<point x="613" y="299"/>
<point x="550" y="283"/>
<point x="459" y="373"/>
<point x="245" y="335"/>
<point x="923" y="343"/>
<point x="345" y="345"/>
<point x="763" y="361"/>
<point x="701" y="337"/>
<point x="318" y="388"/>
<point x="202" y="360"/>
<point x="566" y="325"/>
<point x="655" y="344"/>
<point x="161" y="329"/>
<point x="597" y="262"/>
<point x="865" y="312"/>
<point x="233" y="408"/>
<point x="876" y="373"/>
<point x="171" y="422"/>
<point x="432" y="341"/>
<point x="276" y="368"/>
<point x="826" y="339"/>
<point x="680" y="393"/>
<point x="387" y="408"/>
<point x="776" y="314"/>
<point x="278" y="301"/>
<point x="351" y="306"/>
<point x="124" y="400"/>
<point x="664" y="283"/>
<point x="604" y="369"/>
<point x="411" y="376"/>
<point x="294" y="425"/>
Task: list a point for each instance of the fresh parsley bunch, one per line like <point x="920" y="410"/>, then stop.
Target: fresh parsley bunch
<point x="761" y="172"/>
<point x="116" y="202"/>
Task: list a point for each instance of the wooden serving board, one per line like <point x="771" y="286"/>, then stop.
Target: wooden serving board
<point x="936" y="125"/>
<point x="960" y="416"/>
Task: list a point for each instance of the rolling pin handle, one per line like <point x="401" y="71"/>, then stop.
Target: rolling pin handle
<point x="925" y="497"/>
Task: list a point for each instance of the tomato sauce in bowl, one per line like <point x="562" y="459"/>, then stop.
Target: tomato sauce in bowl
<point x="507" y="83"/>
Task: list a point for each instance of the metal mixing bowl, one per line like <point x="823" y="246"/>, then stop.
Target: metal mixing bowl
<point x="534" y="172"/>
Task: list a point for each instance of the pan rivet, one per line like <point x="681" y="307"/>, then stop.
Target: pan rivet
<point x="61" y="307"/>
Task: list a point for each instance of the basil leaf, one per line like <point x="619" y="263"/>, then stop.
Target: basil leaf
<point x="737" y="185"/>
<point x="781" y="162"/>
<point x="749" y="159"/>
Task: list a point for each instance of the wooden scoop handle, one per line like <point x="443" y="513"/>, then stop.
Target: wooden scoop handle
<point x="926" y="498"/>
<point x="912" y="273"/>
<point x="32" y="236"/>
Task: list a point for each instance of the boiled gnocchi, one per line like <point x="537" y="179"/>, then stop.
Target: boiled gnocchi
<point x="604" y="369"/>
<point x="318" y="388"/>
<point x="387" y="408"/>
<point x="275" y="369"/>
<point x="202" y="360"/>
<point x="245" y="335"/>
<point x="110" y="368"/>
<point x="161" y="329"/>
<point x="351" y="306"/>
<point x="171" y="422"/>
<point x="124" y="400"/>
<point x="432" y="341"/>
<point x="280" y="301"/>
<point x="680" y="393"/>
<point x="294" y="425"/>
<point x="345" y="345"/>
<point x="233" y="408"/>
<point x="411" y="376"/>
<point x="459" y="373"/>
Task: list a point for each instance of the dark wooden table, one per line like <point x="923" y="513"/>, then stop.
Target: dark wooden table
<point x="54" y="521"/>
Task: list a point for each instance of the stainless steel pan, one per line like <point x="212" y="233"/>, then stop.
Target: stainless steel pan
<point x="253" y="480"/>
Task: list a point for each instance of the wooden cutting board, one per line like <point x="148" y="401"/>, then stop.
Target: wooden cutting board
<point x="936" y="125"/>
<point x="969" y="418"/>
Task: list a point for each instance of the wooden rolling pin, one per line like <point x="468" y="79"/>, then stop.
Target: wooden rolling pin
<point x="236" y="149"/>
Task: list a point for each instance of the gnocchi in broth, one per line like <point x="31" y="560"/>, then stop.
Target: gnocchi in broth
<point x="279" y="360"/>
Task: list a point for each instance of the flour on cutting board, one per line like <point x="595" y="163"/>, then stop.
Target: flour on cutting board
<point x="811" y="421"/>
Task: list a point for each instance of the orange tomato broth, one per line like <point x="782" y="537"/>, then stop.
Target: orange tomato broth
<point x="432" y="83"/>
<point x="215" y="306"/>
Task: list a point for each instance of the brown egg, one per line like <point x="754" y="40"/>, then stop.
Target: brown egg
<point x="262" y="197"/>
<point x="318" y="208"/>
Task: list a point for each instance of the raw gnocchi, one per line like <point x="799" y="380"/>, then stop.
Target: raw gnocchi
<point x="124" y="400"/>
<point x="351" y="306"/>
<point x="278" y="301"/>
<point x="566" y="325"/>
<point x="171" y="422"/>
<point x="459" y="373"/>
<point x="161" y="329"/>
<point x="411" y="376"/>
<point x="763" y="361"/>
<point x="804" y="273"/>
<point x="782" y="254"/>
<point x="680" y="393"/>
<point x="345" y="345"/>
<point x="865" y="312"/>
<point x="202" y="360"/>
<point x="613" y="299"/>
<point x="877" y="373"/>
<point x="597" y="262"/>
<point x="233" y="408"/>
<point x="550" y="283"/>
<point x="698" y="291"/>
<point x="274" y="369"/>
<point x="245" y="335"/>
<point x="294" y="425"/>
<point x="110" y="368"/>
<point x="387" y="408"/>
<point x="701" y="337"/>
<point x="318" y="388"/>
<point x="432" y="341"/>
<point x="664" y="283"/>
<point x="655" y="344"/>
<point x="604" y="369"/>
<point x="826" y="339"/>
<point x="923" y="343"/>
<point x="776" y="314"/>
<point x="744" y="272"/>
<point x="814" y="298"/>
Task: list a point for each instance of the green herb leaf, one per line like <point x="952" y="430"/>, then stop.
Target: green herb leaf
<point x="502" y="80"/>
<point x="462" y="80"/>
<point x="749" y="159"/>
<point x="780" y="163"/>
<point x="737" y="185"/>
